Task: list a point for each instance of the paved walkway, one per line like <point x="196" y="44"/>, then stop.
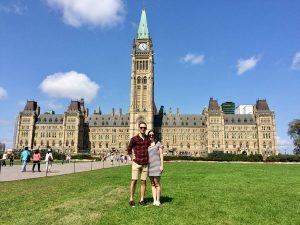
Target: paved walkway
<point x="14" y="173"/>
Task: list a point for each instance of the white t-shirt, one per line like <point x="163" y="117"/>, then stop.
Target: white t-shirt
<point x="4" y="157"/>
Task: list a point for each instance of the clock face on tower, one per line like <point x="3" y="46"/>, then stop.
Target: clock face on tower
<point x="143" y="46"/>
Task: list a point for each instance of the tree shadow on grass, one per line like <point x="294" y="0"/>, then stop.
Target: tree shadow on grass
<point x="163" y="199"/>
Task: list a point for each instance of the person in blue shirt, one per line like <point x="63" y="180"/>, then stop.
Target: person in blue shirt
<point x="24" y="157"/>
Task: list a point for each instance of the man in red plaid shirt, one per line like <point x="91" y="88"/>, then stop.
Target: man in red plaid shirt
<point x="139" y="144"/>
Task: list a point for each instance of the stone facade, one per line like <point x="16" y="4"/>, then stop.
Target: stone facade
<point x="194" y="134"/>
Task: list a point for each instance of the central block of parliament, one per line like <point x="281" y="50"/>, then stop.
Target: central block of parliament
<point x="190" y="134"/>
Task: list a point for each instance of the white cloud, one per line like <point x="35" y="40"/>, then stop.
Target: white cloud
<point x="3" y="93"/>
<point x="284" y="145"/>
<point x="71" y="84"/>
<point x="245" y="65"/>
<point x="296" y="62"/>
<point x="194" y="59"/>
<point x="13" y="7"/>
<point x="95" y="13"/>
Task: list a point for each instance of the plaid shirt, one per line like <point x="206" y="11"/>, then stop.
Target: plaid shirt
<point x="140" y="148"/>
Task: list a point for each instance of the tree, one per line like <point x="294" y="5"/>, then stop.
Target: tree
<point x="294" y="133"/>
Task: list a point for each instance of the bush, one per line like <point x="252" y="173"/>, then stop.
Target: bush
<point x="218" y="156"/>
<point x="190" y="158"/>
<point x="81" y="157"/>
<point x="283" y="158"/>
<point x="221" y="156"/>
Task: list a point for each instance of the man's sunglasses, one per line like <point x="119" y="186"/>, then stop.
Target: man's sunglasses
<point x="145" y="128"/>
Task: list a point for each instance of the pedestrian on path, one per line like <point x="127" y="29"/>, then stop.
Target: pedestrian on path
<point x="62" y="158"/>
<point x="11" y="159"/>
<point x="36" y="158"/>
<point x="24" y="158"/>
<point x="4" y="158"/>
<point x="68" y="158"/>
<point x="49" y="160"/>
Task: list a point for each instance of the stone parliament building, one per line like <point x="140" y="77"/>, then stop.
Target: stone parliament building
<point x="190" y="134"/>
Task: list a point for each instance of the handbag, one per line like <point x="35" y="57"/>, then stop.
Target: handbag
<point x="28" y="158"/>
<point x="50" y="158"/>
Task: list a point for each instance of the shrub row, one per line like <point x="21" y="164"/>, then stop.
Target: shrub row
<point x="219" y="156"/>
<point x="283" y="158"/>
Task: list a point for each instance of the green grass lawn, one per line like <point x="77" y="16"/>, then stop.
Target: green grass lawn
<point x="193" y="193"/>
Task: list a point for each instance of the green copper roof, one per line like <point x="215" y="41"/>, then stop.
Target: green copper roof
<point x="98" y="110"/>
<point x="143" y="32"/>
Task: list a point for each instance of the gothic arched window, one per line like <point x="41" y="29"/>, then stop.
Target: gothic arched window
<point x="139" y="80"/>
<point x="145" y="80"/>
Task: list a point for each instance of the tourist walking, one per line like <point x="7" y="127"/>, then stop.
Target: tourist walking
<point x="138" y="149"/>
<point x="62" y="158"/>
<point x="156" y="167"/>
<point x="4" y="158"/>
<point x="11" y="159"/>
<point x="49" y="160"/>
<point x="36" y="158"/>
<point x="112" y="158"/>
<point x="68" y="158"/>
<point x="25" y="157"/>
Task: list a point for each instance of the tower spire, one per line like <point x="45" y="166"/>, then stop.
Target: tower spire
<point x="143" y="32"/>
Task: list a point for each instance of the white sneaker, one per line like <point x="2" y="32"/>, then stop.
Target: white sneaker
<point x="157" y="203"/>
<point x="154" y="203"/>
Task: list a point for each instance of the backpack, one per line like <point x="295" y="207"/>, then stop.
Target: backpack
<point x="50" y="158"/>
<point x="28" y="158"/>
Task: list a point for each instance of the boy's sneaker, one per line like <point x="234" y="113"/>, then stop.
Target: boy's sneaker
<point x="142" y="203"/>
<point x="131" y="204"/>
<point x="157" y="203"/>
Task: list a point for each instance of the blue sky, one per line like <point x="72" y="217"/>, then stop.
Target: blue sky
<point x="231" y="50"/>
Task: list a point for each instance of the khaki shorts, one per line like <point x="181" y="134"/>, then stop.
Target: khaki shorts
<point x="139" y="169"/>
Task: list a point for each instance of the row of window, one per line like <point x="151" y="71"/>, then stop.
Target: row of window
<point x="114" y="123"/>
<point x="51" y="120"/>
<point x="244" y="135"/>
<point x="107" y="137"/>
<point x="239" y="120"/>
<point x="182" y="124"/>
<point x="187" y="118"/>
<point x="109" y="130"/>
<point x="141" y="65"/>
<point x="109" y="118"/>
<point x="240" y="128"/>
<point x="107" y="145"/>
<point x="49" y="127"/>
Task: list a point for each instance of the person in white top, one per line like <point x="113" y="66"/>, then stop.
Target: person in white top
<point x="49" y="160"/>
<point x="4" y="158"/>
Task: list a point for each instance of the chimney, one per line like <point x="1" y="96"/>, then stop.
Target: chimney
<point x="113" y="112"/>
<point x="38" y="110"/>
<point x="120" y="112"/>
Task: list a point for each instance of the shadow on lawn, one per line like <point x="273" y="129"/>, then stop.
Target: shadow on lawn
<point x="163" y="199"/>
